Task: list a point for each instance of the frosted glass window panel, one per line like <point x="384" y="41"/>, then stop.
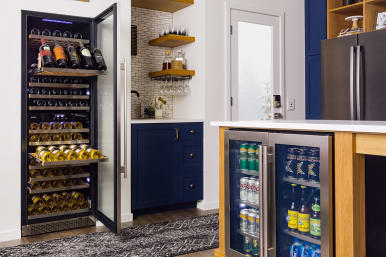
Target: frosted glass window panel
<point x="254" y="71"/>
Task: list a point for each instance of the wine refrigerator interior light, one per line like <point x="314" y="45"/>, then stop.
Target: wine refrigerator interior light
<point x="57" y="21"/>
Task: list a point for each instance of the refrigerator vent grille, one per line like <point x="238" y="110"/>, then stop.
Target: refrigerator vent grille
<point x="36" y="229"/>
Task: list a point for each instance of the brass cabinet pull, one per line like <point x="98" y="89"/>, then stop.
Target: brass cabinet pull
<point x="192" y="132"/>
<point x="192" y="186"/>
<point x="192" y="155"/>
<point x="177" y="134"/>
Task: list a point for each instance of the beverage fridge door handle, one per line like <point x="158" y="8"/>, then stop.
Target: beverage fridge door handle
<point x="265" y="201"/>
<point x="352" y="115"/>
<point x="125" y="106"/>
<point x="261" y="201"/>
<point x="358" y="81"/>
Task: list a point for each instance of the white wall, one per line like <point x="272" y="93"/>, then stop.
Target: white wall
<point x="10" y="105"/>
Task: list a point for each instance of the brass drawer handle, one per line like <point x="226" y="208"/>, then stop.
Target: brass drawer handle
<point x="192" y="132"/>
<point x="192" y="186"/>
<point x="192" y="155"/>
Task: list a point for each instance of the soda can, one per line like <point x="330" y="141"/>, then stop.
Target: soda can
<point x="247" y="245"/>
<point x="302" y="167"/>
<point x="257" y="224"/>
<point x="244" y="150"/>
<point x="257" y="159"/>
<point x="252" y="222"/>
<point x="313" y="164"/>
<point x="252" y="190"/>
<point x="257" y="192"/>
<point x="244" y="220"/>
<point x="255" y="248"/>
<point x="244" y="189"/>
<point x="252" y="157"/>
<point x="244" y="163"/>
<point x="291" y="162"/>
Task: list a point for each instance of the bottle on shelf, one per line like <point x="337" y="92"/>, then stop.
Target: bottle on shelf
<point x="84" y="204"/>
<point x="88" y="62"/>
<point x="46" y="184"/>
<point x="37" y="200"/>
<point x="55" y="125"/>
<point x="46" y="80"/>
<point x="35" y="31"/>
<point x="48" y="199"/>
<point x="32" y="210"/>
<point x="291" y="163"/>
<point x="45" y="126"/>
<point x="34" y="138"/>
<point x="167" y="61"/>
<point x="67" y="197"/>
<point x="94" y="154"/>
<point x="78" y="197"/>
<point x="66" y="125"/>
<point x="39" y="102"/>
<point x="78" y="35"/>
<point x="34" y="79"/>
<point x="293" y="210"/>
<point x="100" y="63"/>
<point x="73" y="205"/>
<point x="60" y="55"/>
<point x="52" y="103"/>
<point x="56" y="137"/>
<point x="34" y="126"/>
<point x="73" y="56"/>
<point x="44" y="91"/>
<point x="82" y="154"/>
<point x="64" y="207"/>
<point x="314" y="164"/>
<point x="35" y="174"/>
<point x="43" y="209"/>
<point x="76" y="136"/>
<point x="67" y="34"/>
<point x="46" y="32"/>
<point x="302" y="167"/>
<point x="47" y="60"/>
<point x="57" y="33"/>
<point x="76" y="125"/>
<point x="304" y="214"/>
<point x="315" y="229"/>
<point x="58" y="155"/>
<point x="35" y="185"/>
<point x="47" y="173"/>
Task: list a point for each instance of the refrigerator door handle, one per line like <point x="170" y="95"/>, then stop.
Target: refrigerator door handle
<point x="125" y="120"/>
<point x="265" y="202"/>
<point x="261" y="201"/>
<point x="358" y="82"/>
<point x="352" y="51"/>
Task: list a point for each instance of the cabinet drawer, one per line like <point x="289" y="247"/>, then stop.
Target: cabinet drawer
<point x="191" y="131"/>
<point x="192" y="155"/>
<point x="192" y="190"/>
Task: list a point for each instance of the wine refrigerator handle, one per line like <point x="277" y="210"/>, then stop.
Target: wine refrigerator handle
<point x="125" y="120"/>
<point x="265" y="201"/>
<point x="352" y="114"/>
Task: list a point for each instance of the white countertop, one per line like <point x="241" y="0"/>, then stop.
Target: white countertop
<point x="309" y="125"/>
<point x="173" y="120"/>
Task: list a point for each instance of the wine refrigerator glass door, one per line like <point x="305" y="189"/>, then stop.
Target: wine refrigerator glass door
<point x="301" y="186"/>
<point x="108" y="122"/>
<point x="243" y="192"/>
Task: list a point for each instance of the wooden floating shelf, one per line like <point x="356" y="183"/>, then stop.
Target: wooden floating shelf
<point x="48" y="71"/>
<point x="83" y="97"/>
<point x="172" y="73"/>
<point x="58" y="85"/>
<point x="42" y="216"/>
<point x="83" y="175"/>
<point x="65" y="163"/>
<point x="58" y="189"/>
<point x="352" y="9"/>
<point x="58" y="131"/>
<point x="47" y="108"/>
<point x="172" y="41"/>
<point x="303" y="237"/>
<point x="163" y="5"/>
<point x="39" y="167"/>
<point x="61" y="40"/>
<point x="72" y="142"/>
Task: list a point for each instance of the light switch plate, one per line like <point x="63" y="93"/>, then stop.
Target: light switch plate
<point x="291" y="104"/>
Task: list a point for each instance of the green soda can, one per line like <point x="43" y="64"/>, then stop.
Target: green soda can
<point x="244" y="163"/>
<point x="244" y="150"/>
<point x="255" y="247"/>
<point x="247" y="245"/>
<point x="252" y="165"/>
<point x="257" y="159"/>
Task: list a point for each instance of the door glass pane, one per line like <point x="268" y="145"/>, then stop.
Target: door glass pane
<point x="244" y="196"/>
<point x="106" y="120"/>
<point x="298" y="226"/>
<point x="254" y="71"/>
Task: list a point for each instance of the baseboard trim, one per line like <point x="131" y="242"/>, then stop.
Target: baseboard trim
<point x="10" y="235"/>
<point x="127" y="217"/>
<point x="207" y="206"/>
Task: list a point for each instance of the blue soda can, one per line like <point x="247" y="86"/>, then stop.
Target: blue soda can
<point x="314" y="164"/>
<point x="291" y="161"/>
<point x="307" y="250"/>
<point x="316" y="252"/>
<point x="302" y="164"/>
<point x="296" y="248"/>
<point x="247" y="245"/>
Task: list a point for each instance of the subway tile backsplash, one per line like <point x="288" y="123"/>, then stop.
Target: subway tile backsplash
<point x="149" y="58"/>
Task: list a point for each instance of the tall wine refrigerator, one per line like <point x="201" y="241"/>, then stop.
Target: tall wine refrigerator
<point x="278" y="191"/>
<point x="70" y="152"/>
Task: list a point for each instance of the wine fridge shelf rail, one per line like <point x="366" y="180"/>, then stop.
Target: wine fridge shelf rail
<point x="58" y="131"/>
<point x="58" y="85"/>
<point x="303" y="237"/>
<point x="58" y="189"/>
<point x="42" y="216"/>
<point x="249" y="173"/>
<point x="72" y="142"/>
<point x="39" y="167"/>
<point x="83" y="97"/>
<point x="61" y="40"/>
<point x="244" y="233"/>
<point x="251" y="205"/>
<point x="66" y="72"/>
<point x="82" y="175"/>
<point x="69" y="162"/>
<point x="302" y="182"/>
<point x="48" y="108"/>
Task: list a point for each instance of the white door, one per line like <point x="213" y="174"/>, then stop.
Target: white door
<point x="255" y="65"/>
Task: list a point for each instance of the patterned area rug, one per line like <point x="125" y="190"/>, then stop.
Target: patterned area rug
<point x="154" y="240"/>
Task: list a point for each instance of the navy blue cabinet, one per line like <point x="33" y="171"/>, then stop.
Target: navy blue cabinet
<point x="315" y="31"/>
<point x="166" y="164"/>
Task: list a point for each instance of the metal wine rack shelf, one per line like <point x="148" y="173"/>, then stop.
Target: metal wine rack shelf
<point x="302" y="182"/>
<point x="48" y="108"/>
<point x="40" y="167"/>
<point x="244" y="233"/>
<point x="66" y="72"/>
<point x="83" y="97"/>
<point x="302" y="237"/>
<point x="249" y="173"/>
<point x="50" y="190"/>
<point x="82" y="175"/>
<point x="58" y="131"/>
<point x="35" y="39"/>
<point x="251" y="205"/>
<point x="58" y="85"/>
<point x="69" y="162"/>
<point x="41" y="216"/>
<point x="72" y="142"/>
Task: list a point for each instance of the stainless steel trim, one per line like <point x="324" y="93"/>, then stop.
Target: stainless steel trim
<point x="261" y="201"/>
<point x="352" y="115"/>
<point x="41" y="216"/>
<point x="358" y="82"/>
<point x="57" y="85"/>
<point x="265" y="201"/>
<point x="83" y="175"/>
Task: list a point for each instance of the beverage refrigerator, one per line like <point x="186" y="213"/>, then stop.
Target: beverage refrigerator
<point x="70" y="106"/>
<point x="278" y="194"/>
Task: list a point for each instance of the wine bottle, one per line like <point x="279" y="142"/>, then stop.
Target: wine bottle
<point x="44" y="91"/>
<point x="73" y="56"/>
<point x="67" y="34"/>
<point x="55" y="125"/>
<point x="46" y="54"/>
<point x="48" y="199"/>
<point x="45" y="125"/>
<point x="78" y="35"/>
<point x="34" y="79"/>
<point x="78" y="197"/>
<point x="32" y="210"/>
<point x="99" y="60"/>
<point x="88" y="62"/>
<point x="35" y="31"/>
<point x="82" y="154"/>
<point x="34" y="174"/>
<point x="37" y="200"/>
<point x="58" y="155"/>
<point x="60" y="55"/>
<point x="34" y="138"/>
<point x="57" y="33"/>
<point x="46" y="156"/>
<point x="84" y="204"/>
<point x="43" y="209"/>
<point x="34" y="126"/>
<point x="46" y="32"/>
<point x="47" y="173"/>
<point x="52" y="103"/>
<point x="58" y="198"/>
<point x="76" y="136"/>
<point x="46" y="80"/>
<point x="77" y="125"/>
<point x="94" y="154"/>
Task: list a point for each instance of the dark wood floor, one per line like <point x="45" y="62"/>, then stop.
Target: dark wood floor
<point x="141" y="220"/>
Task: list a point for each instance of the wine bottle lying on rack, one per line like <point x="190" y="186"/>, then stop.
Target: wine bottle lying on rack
<point x="47" y="59"/>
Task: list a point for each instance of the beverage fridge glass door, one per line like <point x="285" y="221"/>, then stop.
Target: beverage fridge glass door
<point x="108" y="122"/>
<point x="301" y="183"/>
<point x="243" y="184"/>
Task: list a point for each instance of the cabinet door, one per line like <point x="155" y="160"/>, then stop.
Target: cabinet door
<point x="313" y="81"/>
<point x="153" y="165"/>
<point x="315" y="21"/>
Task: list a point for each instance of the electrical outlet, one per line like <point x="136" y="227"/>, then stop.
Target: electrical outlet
<point x="291" y="104"/>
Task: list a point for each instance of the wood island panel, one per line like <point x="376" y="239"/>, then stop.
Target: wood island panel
<point x="373" y="144"/>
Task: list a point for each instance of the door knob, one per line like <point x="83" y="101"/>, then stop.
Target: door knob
<point x="191" y="155"/>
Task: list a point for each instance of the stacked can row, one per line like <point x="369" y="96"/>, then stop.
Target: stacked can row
<point x="303" y="163"/>
<point x="249" y="157"/>
<point x="249" y="190"/>
<point x="249" y="221"/>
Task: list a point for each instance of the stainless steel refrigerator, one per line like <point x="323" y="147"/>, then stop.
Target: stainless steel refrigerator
<point x="278" y="194"/>
<point x="354" y="88"/>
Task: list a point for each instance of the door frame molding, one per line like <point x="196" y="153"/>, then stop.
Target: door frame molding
<point x="252" y="6"/>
